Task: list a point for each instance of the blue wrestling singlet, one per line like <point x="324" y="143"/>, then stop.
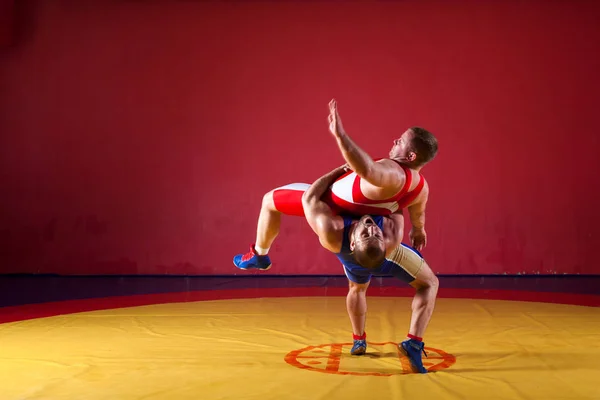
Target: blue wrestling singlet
<point x="359" y="274"/>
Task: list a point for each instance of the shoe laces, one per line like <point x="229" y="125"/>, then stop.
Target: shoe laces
<point x="249" y="254"/>
<point x="359" y="343"/>
<point x="420" y="346"/>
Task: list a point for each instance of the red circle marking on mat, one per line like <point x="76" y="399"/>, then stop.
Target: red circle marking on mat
<point x="329" y="360"/>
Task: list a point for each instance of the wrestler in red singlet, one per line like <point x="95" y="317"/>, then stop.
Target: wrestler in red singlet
<point x="370" y="187"/>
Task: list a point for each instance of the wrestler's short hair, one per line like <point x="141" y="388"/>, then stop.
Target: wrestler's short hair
<point x="369" y="254"/>
<point x="424" y="144"/>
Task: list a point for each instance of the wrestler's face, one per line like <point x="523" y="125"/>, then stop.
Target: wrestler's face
<point x="367" y="233"/>
<point x="401" y="148"/>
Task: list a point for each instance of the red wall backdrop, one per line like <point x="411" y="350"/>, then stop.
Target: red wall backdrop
<point x="139" y="137"/>
<point x="7" y="17"/>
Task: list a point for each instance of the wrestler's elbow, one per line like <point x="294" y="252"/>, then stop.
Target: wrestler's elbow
<point x="327" y="237"/>
<point x="324" y="226"/>
<point x="308" y="200"/>
<point x="328" y="245"/>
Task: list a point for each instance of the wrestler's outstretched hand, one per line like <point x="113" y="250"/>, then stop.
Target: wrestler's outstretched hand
<point x="335" y="122"/>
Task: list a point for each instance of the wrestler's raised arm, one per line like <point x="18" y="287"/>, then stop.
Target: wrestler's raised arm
<point x="383" y="173"/>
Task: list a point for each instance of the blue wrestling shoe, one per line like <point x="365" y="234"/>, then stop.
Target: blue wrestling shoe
<point x="359" y="348"/>
<point x="412" y="349"/>
<point x="251" y="260"/>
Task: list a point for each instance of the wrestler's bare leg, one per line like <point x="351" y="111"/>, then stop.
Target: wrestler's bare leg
<point x="356" y="304"/>
<point x="269" y="221"/>
<point x="426" y="284"/>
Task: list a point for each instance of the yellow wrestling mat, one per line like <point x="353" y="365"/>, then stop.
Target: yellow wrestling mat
<point x="297" y="348"/>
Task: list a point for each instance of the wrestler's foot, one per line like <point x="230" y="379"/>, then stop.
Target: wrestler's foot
<point x="412" y="349"/>
<point x="251" y="260"/>
<point x="359" y="348"/>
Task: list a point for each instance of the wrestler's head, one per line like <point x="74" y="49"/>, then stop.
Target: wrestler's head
<point x="416" y="147"/>
<point x="367" y="243"/>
